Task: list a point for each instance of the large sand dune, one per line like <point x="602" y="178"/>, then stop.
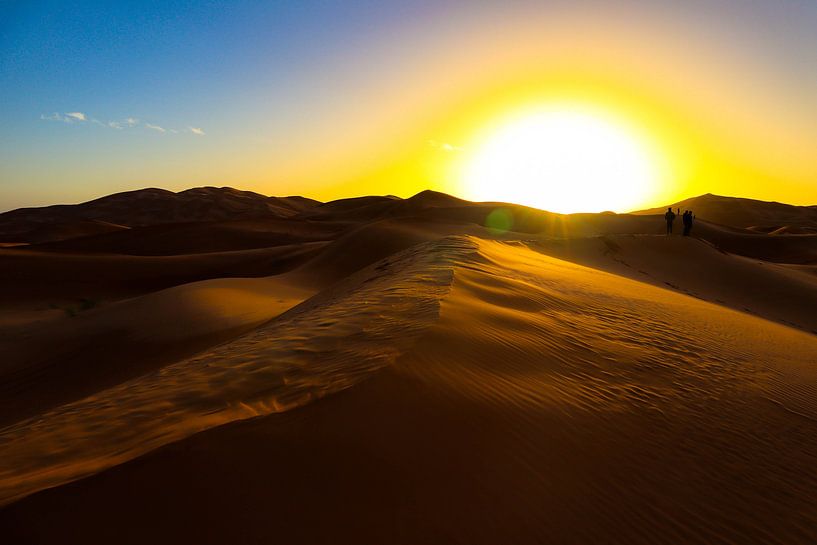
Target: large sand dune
<point x="150" y="207"/>
<point x="762" y="216"/>
<point x="402" y="371"/>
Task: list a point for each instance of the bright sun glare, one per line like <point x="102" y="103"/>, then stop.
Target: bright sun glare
<point x="562" y="160"/>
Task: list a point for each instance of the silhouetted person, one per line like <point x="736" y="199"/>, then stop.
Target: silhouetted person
<point x="670" y="217"/>
<point x="688" y="219"/>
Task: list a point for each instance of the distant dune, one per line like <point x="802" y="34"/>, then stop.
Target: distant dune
<point x="216" y="366"/>
<point x="747" y="213"/>
<point x="151" y="207"/>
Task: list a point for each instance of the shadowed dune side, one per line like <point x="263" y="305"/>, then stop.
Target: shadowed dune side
<point x="60" y="361"/>
<point x="810" y="270"/>
<point x="200" y="237"/>
<point x="71" y="229"/>
<point x="353" y="209"/>
<point x="793" y="230"/>
<point x="799" y="249"/>
<point x="549" y="403"/>
<point x="150" y="207"/>
<point x="327" y="343"/>
<point x="31" y="280"/>
<point x="373" y="208"/>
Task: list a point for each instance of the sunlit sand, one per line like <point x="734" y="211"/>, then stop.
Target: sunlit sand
<point x="381" y="370"/>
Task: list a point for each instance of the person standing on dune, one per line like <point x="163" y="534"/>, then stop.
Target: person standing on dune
<point x="688" y="217"/>
<point x="670" y="217"/>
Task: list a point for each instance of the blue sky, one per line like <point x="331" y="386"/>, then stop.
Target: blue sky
<point x="262" y="82"/>
<point x="148" y="67"/>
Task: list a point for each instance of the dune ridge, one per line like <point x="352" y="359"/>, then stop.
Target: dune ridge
<point x="325" y="344"/>
<point x="148" y="206"/>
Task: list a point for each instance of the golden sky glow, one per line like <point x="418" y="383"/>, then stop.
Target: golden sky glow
<point x="721" y="98"/>
<point x="712" y="120"/>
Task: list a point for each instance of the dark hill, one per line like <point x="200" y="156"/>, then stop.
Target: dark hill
<point x="146" y="207"/>
<point x="761" y="216"/>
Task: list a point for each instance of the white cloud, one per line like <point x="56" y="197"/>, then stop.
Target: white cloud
<point x="67" y="118"/>
<point x="128" y="122"/>
<point x="53" y="117"/>
<point x="444" y="146"/>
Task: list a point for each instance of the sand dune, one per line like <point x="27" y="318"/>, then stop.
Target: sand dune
<point x="222" y="219"/>
<point x="373" y="242"/>
<point x="150" y="207"/>
<point x="199" y="237"/>
<point x="744" y="213"/>
<point x="70" y="230"/>
<point x="521" y="398"/>
<point x="775" y="292"/>
<point x="244" y="369"/>
<point x="36" y="280"/>
<point x="323" y="345"/>
<point x="62" y="360"/>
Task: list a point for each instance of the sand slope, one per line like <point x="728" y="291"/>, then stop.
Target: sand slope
<point x="35" y="280"/>
<point x="150" y="207"/>
<point x="780" y="293"/>
<point x="488" y="393"/>
<point x="323" y="345"/>
<point x="199" y="237"/>
<point x="65" y="359"/>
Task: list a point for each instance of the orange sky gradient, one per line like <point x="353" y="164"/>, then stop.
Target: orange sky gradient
<point x="401" y="108"/>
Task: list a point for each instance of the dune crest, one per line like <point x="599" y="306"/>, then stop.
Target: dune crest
<point x="325" y="344"/>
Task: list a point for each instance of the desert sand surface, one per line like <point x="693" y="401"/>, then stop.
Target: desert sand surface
<point x="247" y="369"/>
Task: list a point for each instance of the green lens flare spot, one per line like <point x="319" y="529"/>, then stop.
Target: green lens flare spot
<point x="499" y="220"/>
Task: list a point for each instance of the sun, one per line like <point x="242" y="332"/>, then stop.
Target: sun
<point x="562" y="159"/>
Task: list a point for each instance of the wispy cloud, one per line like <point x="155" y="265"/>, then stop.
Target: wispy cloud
<point x="127" y="123"/>
<point x="72" y="117"/>
<point x="53" y="117"/>
<point x="444" y="146"/>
